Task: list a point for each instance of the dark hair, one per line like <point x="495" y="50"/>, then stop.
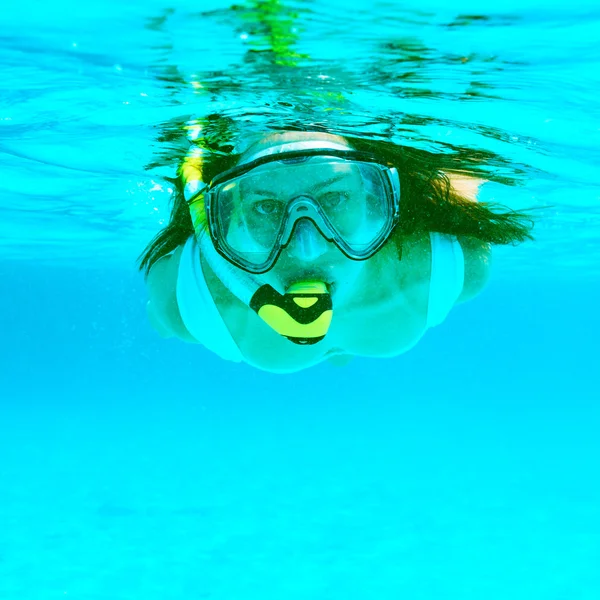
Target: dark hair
<point x="429" y="203"/>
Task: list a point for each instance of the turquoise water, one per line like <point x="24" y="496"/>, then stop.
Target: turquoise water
<point x="133" y="467"/>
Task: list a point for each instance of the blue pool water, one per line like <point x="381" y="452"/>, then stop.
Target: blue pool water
<point x="135" y="467"/>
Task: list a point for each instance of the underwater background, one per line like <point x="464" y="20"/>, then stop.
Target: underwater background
<point x="135" y="467"/>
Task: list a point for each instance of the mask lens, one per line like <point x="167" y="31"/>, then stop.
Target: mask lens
<point x="250" y="216"/>
<point x="357" y="207"/>
<point x="352" y="198"/>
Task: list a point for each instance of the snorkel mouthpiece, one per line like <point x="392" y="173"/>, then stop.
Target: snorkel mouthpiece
<point x="302" y="315"/>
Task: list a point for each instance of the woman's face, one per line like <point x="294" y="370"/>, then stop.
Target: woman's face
<point x="308" y="255"/>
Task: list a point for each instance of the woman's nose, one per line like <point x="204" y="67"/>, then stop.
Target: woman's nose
<point x="307" y="243"/>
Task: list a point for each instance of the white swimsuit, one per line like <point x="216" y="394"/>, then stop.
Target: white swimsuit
<point x="204" y="322"/>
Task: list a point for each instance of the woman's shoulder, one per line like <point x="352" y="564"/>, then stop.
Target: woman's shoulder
<point x="162" y="276"/>
<point x="477" y="254"/>
<point x="162" y="307"/>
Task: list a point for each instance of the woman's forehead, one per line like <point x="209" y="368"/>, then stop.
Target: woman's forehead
<point x="285" y="137"/>
<point x="314" y="171"/>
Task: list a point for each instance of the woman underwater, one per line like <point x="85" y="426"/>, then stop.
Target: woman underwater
<point x="306" y="246"/>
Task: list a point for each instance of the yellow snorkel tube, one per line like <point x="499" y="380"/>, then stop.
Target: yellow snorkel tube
<point x="302" y="314"/>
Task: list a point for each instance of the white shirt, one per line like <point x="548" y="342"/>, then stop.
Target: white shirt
<point x="203" y="320"/>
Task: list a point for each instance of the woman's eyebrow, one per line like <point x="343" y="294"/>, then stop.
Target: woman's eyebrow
<point x="331" y="180"/>
<point x="318" y="186"/>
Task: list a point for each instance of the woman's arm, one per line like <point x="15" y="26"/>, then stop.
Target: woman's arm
<point x="478" y="254"/>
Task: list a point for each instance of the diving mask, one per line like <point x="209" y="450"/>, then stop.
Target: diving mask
<point x="251" y="210"/>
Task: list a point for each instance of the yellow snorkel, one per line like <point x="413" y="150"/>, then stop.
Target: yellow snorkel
<point x="302" y="314"/>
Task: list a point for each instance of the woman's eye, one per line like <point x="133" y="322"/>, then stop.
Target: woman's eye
<point x="333" y="199"/>
<point x="267" y="207"/>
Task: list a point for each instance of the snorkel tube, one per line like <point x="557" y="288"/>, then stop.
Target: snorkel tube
<point x="302" y="314"/>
